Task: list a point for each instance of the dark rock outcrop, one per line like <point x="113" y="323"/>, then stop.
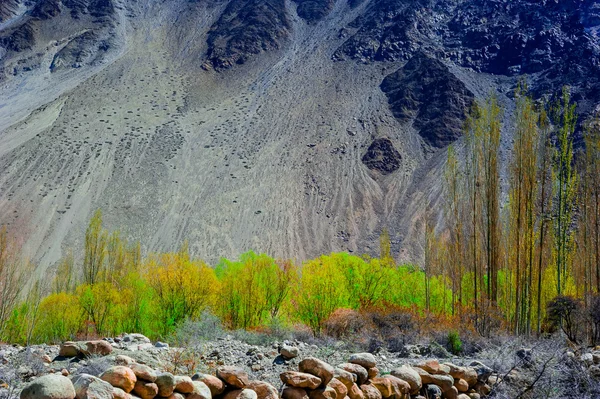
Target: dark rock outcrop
<point x="246" y="28"/>
<point x="313" y="10"/>
<point x="425" y="90"/>
<point x="382" y="156"/>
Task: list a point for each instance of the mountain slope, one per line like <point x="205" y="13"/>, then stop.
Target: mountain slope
<point x="271" y="125"/>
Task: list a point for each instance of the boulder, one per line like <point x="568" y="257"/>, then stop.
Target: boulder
<point x="50" y="386"/>
<point x="372" y="372"/>
<point x="367" y="360"/>
<point x="143" y="372"/>
<point x="400" y="388"/>
<point x="347" y="378"/>
<point x="234" y="376"/>
<point x="90" y="387"/>
<point x="465" y="373"/>
<point x="445" y="382"/>
<point x="483" y="371"/>
<point x="145" y="390"/>
<point x="118" y="393"/>
<point x="288" y="351"/>
<point x="461" y="385"/>
<point x="215" y="384"/>
<point x="587" y="359"/>
<point x="166" y="384"/>
<point x="317" y="368"/>
<point x="294" y="393"/>
<point x="184" y="384"/>
<point x="451" y="393"/>
<point x="323" y="393"/>
<point x="482" y="388"/>
<point x="354" y="392"/>
<point x="384" y="386"/>
<point x="123" y="360"/>
<point x="136" y="339"/>
<point x="370" y="391"/>
<point x="425" y="376"/>
<point x="99" y="347"/>
<point x="409" y="375"/>
<point x="201" y="391"/>
<point x="433" y="366"/>
<point x="263" y="390"/>
<point x="240" y="394"/>
<point x="69" y="349"/>
<point x="120" y="377"/>
<point x="359" y="371"/>
<point x="300" y="380"/>
<point x="339" y="388"/>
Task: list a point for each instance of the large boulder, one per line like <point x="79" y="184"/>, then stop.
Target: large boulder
<point x="359" y="371"/>
<point x="69" y="349"/>
<point x="145" y="390"/>
<point x="166" y="384"/>
<point x="316" y="367"/>
<point x="432" y="391"/>
<point x="409" y="375"/>
<point x="49" y="387"/>
<point x="234" y="376"/>
<point x="445" y="382"/>
<point x="215" y="385"/>
<point x="143" y="372"/>
<point x="354" y="392"/>
<point x="300" y="380"/>
<point x="184" y="384"/>
<point x="425" y="376"/>
<point x="384" y="386"/>
<point x="465" y="373"/>
<point x="118" y="393"/>
<point x="136" y="339"/>
<point x="263" y="390"/>
<point x="90" y="387"/>
<point x="99" y="347"/>
<point x="483" y="371"/>
<point x="367" y="360"/>
<point x="433" y="366"/>
<point x="347" y="378"/>
<point x="339" y="388"/>
<point x="400" y="388"/>
<point x="370" y="391"/>
<point x="201" y="391"/>
<point x="120" y="377"/>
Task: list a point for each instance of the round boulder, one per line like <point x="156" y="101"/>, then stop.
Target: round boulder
<point x="69" y="349"/>
<point x="90" y="387"/>
<point x="234" y="376"/>
<point x="120" y="377"/>
<point x="316" y="367"/>
<point x="50" y="386"/>
<point x="409" y="375"/>
<point x="201" y="391"/>
<point x="166" y="384"/>
<point x="294" y="393"/>
<point x="367" y="360"/>
<point x="300" y="380"/>
<point x="143" y="372"/>
<point x="99" y="347"/>
<point x="241" y="394"/>
<point x="145" y="390"/>
<point x="215" y="384"/>
<point x="288" y="351"/>
<point x="359" y="371"/>
<point x="184" y="384"/>
<point x="263" y="390"/>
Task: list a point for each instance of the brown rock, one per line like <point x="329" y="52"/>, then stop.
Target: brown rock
<point x="215" y="384"/>
<point x="143" y="372"/>
<point x="370" y="391"/>
<point x="294" y="393"/>
<point x="425" y="376"/>
<point x="300" y="380"/>
<point x="355" y="392"/>
<point x="482" y="389"/>
<point x="145" y="390"/>
<point x="372" y="372"/>
<point x="120" y="377"/>
<point x="183" y="384"/>
<point x="445" y="382"/>
<point x="69" y="349"/>
<point x="317" y="368"/>
<point x="323" y="393"/>
<point x="400" y="388"/>
<point x="347" y="378"/>
<point x="451" y="393"/>
<point x="433" y="366"/>
<point x="64" y="372"/>
<point x="384" y="386"/>
<point x="339" y="388"/>
<point x="466" y="373"/>
<point x="176" y="395"/>
<point x="263" y="390"/>
<point x="461" y="385"/>
<point x="359" y="371"/>
<point x="411" y="376"/>
<point x="99" y="347"/>
<point x="234" y="376"/>
<point x="166" y="384"/>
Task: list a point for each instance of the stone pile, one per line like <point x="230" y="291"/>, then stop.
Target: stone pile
<point x="130" y="342"/>
<point x="359" y="378"/>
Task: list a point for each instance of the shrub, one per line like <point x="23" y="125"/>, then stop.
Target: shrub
<point x="454" y="343"/>
<point x="566" y="313"/>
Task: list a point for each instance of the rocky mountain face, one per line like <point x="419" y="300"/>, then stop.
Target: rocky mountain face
<point x="295" y="127"/>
